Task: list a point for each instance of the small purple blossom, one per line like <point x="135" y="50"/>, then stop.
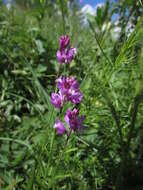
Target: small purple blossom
<point x="64" y="42"/>
<point x="61" y="56"/>
<point x="60" y="128"/>
<point x="66" y="55"/>
<point x="67" y="83"/>
<point x="57" y="100"/>
<point x="71" y="53"/>
<point x="75" y="97"/>
<point x="73" y="120"/>
<point x="70" y="89"/>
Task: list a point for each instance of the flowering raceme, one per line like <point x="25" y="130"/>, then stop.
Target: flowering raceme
<point x="65" y="54"/>
<point x="68" y="91"/>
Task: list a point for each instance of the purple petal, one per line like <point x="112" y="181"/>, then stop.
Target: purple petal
<point x="67" y="117"/>
<point x="73" y="120"/>
<point x="66" y="55"/>
<point x="76" y="97"/>
<point x="60" y="128"/>
<point x="71" y="54"/>
<point x="57" y="100"/>
<point x="64" y="42"/>
<point x="61" y="56"/>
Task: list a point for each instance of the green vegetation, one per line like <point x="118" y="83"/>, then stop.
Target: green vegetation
<point x="108" y="154"/>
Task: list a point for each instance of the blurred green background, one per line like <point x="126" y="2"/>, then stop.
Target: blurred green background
<point x="108" y="155"/>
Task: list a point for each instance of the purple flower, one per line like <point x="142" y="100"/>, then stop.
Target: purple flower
<point x="73" y="120"/>
<point x="61" y="56"/>
<point x="57" y="100"/>
<point x="59" y="126"/>
<point x="71" y="53"/>
<point x="67" y="83"/>
<point x="70" y="89"/>
<point x="64" y="42"/>
<point x="75" y="97"/>
<point x="66" y="55"/>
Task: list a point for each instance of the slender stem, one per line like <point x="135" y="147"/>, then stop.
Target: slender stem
<point x="58" y="73"/>
<point x="53" y="135"/>
<point x="62" y="154"/>
<point x="120" y="178"/>
<point x="95" y="35"/>
<point x="63" y="15"/>
<point x="141" y="2"/>
<point x="137" y="101"/>
<point x="87" y="143"/>
<point x="117" y="120"/>
<point x="68" y="136"/>
<point x="65" y="145"/>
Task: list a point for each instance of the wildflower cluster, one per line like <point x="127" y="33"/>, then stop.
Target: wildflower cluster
<point x="68" y="91"/>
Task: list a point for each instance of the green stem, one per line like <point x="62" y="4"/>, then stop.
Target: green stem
<point x="53" y="134"/>
<point x="117" y="121"/>
<point x="62" y="154"/>
<point x="120" y="177"/>
<point x="137" y="102"/>
<point x="63" y="15"/>
<point x="68" y="136"/>
<point x="65" y="145"/>
<point x="125" y="154"/>
<point x="100" y="47"/>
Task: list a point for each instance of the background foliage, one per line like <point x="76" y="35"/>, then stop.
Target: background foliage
<point x="109" y="67"/>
